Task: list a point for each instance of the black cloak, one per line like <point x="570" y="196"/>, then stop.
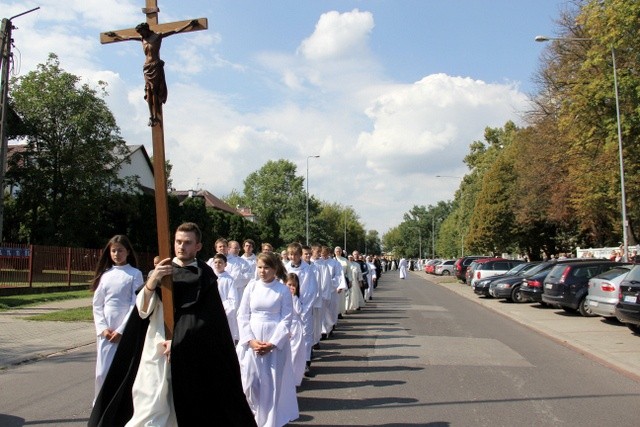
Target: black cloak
<point x="206" y="382"/>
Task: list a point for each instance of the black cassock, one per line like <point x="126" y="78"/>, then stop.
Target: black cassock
<point x="205" y="373"/>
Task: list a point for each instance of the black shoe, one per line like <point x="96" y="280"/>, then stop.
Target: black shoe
<point x="316" y="346"/>
<point x="340" y="316"/>
<point x="323" y="337"/>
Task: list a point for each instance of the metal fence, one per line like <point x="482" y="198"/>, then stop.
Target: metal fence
<point x="35" y="266"/>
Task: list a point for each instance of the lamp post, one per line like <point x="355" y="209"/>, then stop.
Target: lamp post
<point x="625" y="238"/>
<point x="307" y="222"/>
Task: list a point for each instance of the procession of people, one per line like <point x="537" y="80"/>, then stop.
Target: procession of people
<point x="257" y="334"/>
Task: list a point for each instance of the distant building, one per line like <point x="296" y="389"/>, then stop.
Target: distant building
<point x="210" y="200"/>
<point x="246" y="213"/>
<point x="137" y="164"/>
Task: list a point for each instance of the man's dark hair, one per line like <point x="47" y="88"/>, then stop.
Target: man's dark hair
<point x="191" y="227"/>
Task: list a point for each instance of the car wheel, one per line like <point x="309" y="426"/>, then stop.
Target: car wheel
<point x="634" y="328"/>
<point x="516" y="295"/>
<point x="445" y="272"/>
<point x="584" y="310"/>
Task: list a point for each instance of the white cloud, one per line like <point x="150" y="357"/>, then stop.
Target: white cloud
<point x="338" y="35"/>
<point x="436" y="117"/>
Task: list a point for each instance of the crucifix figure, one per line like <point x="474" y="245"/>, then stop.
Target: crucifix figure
<point x="155" y="85"/>
<point x="151" y="34"/>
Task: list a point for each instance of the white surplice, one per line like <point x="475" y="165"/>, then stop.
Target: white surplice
<point x="265" y="314"/>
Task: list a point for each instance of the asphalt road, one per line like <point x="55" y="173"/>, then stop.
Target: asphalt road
<point x="417" y="355"/>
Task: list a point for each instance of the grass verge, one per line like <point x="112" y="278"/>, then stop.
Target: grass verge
<point x="12" y="301"/>
<point x="80" y="314"/>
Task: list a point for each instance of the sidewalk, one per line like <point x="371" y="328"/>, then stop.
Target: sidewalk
<point x="609" y="343"/>
<point x="26" y="340"/>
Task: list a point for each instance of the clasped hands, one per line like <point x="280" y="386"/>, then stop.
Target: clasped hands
<point x="261" y="347"/>
<point x="111" y="335"/>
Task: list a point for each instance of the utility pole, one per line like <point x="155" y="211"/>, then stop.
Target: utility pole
<point x="5" y="51"/>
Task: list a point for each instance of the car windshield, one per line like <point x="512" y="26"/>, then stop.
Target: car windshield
<point x="634" y="274"/>
<point x="613" y="273"/>
<point x="517" y="268"/>
<point x="538" y="268"/>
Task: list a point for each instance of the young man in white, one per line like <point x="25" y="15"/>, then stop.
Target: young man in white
<point x="308" y="292"/>
<point x="248" y="245"/>
<point x="236" y="266"/>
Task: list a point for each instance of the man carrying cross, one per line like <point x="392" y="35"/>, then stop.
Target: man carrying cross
<point x="191" y="380"/>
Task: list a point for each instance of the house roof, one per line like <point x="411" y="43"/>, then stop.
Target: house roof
<point x="210" y="200"/>
<point x="133" y="149"/>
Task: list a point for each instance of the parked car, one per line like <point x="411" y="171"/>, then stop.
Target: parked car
<point x="472" y="267"/>
<point x="531" y="288"/>
<point x="430" y="266"/>
<point x="508" y="286"/>
<point x="493" y="267"/>
<point x="628" y="307"/>
<point x="604" y="290"/>
<point x="445" y="268"/>
<point x="461" y="264"/>
<point x="567" y="285"/>
<point x="484" y="286"/>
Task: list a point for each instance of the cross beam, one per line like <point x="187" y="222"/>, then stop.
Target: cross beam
<point x="156" y="94"/>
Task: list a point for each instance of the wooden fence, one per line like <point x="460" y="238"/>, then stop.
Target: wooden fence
<point x="35" y="268"/>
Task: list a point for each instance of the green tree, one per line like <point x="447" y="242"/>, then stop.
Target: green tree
<point x="68" y="166"/>
<point x="276" y="196"/>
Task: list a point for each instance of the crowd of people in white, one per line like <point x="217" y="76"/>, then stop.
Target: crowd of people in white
<point x="280" y="307"/>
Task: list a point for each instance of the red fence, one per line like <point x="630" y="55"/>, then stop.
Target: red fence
<point x="29" y="266"/>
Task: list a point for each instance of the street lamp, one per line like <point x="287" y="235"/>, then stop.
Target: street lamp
<point x="307" y="223"/>
<point x="625" y="238"/>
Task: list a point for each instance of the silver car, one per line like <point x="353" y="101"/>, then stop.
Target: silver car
<point x="445" y="268"/>
<point x="603" y="291"/>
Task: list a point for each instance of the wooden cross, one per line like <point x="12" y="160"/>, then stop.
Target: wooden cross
<point x="151" y="34"/>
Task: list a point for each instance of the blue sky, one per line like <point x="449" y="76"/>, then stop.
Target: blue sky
<point x="389" y="93"/>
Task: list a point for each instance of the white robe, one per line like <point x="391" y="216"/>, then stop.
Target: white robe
<point x="239" y="269"/>
<point x="342" y="300"/>
<point x="113" y="301"/>
<point x="230" y="301"/>
<point x="355" y="300"/>
<point x="402" y="266"/>
<point x="265" y="314"/>
<point x="332" y="308"/>
<point x="371" y="277"/>
<point x="151" y="391"/>
<point x="298" y="346"/>
<point x="308" y="296"/>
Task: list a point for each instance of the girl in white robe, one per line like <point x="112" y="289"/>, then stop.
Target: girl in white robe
<point x="298" y="345"/>
<point x="264" y="350"/>
<point x="114" y="285"/>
